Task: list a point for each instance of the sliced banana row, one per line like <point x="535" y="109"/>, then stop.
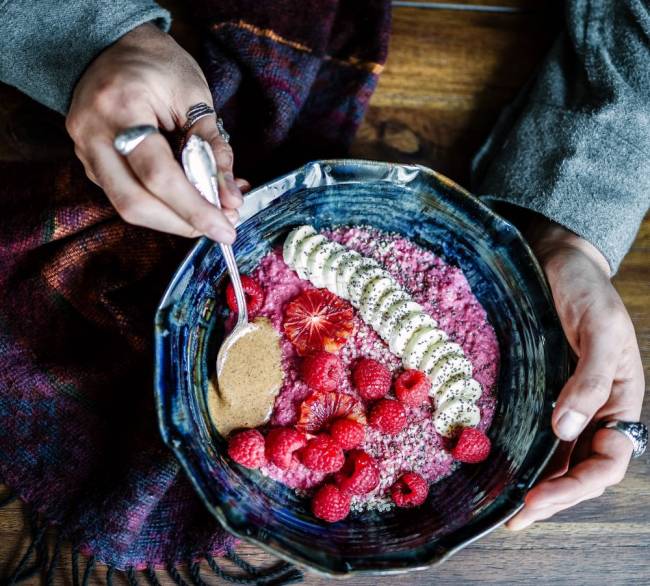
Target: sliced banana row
<point x="402" y="323"/>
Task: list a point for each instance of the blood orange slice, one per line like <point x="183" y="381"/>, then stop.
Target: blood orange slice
<point x="318" y="320"/>
<point x="319" y="409"/>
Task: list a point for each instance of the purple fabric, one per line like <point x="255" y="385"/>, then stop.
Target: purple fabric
<point x="78" y="287"/>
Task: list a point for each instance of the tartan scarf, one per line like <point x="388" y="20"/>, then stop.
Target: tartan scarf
<point x="78" y="287"/>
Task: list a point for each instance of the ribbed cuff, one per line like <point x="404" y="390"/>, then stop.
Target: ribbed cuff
<point x="45" y="48"/>
<point x="573" y="168"/>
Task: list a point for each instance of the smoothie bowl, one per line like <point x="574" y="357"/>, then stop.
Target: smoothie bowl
<point x="414" y="418"/>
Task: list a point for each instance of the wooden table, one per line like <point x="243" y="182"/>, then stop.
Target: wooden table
<point x="448" y="74"/>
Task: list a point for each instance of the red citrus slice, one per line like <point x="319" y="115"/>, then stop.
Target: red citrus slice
<point x="318" y="320"/>
<point x="319" y="409"/>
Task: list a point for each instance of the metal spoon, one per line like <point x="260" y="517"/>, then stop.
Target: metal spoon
<point x="201" y="170"/>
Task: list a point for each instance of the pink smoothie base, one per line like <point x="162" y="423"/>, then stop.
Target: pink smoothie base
<point x="445" y="293"/>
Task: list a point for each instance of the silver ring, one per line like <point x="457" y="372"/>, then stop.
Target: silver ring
<point x="195" y="113"/>
<point x="201" y="110"/>
<point x="635" y="431"/>
<point x="222" y="131"/>
<point x="130" y="138"/>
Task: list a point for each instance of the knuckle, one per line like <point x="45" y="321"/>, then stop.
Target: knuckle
<point x="224" y="154"/>
<point x="596" y="386"/>
<point x="155" y="177"/>
<point x="73" y="126"/>
<point x="117" y="92"/>
<point x="130" y="211"/>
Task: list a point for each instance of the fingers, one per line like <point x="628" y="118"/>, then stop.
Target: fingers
<point x="611" y="452"/>
<point x="154" y="165"/>
<point x="229" y="192"/>
<point x="589" y="387"/>
<point x="134" y="203"/>
<point x="244" y="186"/>
<point x="528" y="515"/>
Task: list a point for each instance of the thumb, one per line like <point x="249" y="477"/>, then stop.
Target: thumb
<point x="589" y="387"/>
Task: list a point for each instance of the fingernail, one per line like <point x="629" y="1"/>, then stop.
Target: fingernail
<point x="570" y="425"/>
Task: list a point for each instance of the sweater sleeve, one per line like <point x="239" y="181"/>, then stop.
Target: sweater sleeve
<point x="46" y="45"/>
<point x="575" y="147"/>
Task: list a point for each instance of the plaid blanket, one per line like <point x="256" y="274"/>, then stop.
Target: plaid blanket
<point x="78" y="287"/>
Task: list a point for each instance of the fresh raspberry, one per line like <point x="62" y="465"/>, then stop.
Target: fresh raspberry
<point x="412" y="388"/>
<point x="388" y="416"/>
<point x="371" y="379"/>
<point x="472" y="447"/>
<point x="322" y="371"/>
<point x="410" y="490"/>
<point x="359" y="475"/>
<point x="322" y="454"/>
<point x="247" y="448"/>
<point x="252" y="290"/>
<point x="330" y="504"/>
<point x="347" y="433"/>
<point x="281" y="443"/>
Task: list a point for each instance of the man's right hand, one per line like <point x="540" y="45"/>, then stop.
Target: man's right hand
<point x="147" y="78"/>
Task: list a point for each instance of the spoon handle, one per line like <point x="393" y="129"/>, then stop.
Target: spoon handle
<point x="201" y="170"/>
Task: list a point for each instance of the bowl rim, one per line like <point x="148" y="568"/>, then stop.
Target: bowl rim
<point x="486" y="523"/>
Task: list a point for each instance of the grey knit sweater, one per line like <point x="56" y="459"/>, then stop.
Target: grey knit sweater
<point x="574" y="147"/>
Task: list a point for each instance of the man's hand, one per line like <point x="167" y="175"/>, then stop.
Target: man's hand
<point x="608" y="382"/>
<point x="146" y="78"/>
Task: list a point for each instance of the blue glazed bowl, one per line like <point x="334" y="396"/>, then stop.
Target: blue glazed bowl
<point x="438" y="215"/>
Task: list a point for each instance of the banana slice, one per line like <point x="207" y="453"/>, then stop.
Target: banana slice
<point x="405" y="328"/>
<point x="345" y="271"/>
<point x="360" y="279"/>
<point x="448" y="367"/>
<point x="435" y="352"/>
<point x="371" y="295"/>
<point x="453" y="414"/>
<point x="419" y="343"/>
<point x="392" y="295"/>
<point x="293" y="239"/>
<point x="459" y="387"/>
<point x="395" y="313"/>
<point x="303" y="250"/>
<point x="316" y="261"/>
<point x="330" y="267"/>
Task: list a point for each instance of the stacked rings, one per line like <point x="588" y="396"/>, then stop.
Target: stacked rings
<point x="201" y="110"/>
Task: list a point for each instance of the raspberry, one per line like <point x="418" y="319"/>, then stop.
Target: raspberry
<point x="330" y="504"/>
<point x="252" y="290"/>
<point x="322" y="371"/>
<point x="410" y="490"/>
<point x="472" y="447"/>
<point x="359" y="475"/>
<point x="322" y="454"/>
<point x="247" y="448"/>
<point x="347" y="433"/>
<point x="281" y="443"/>
<point x="371" y="379"/>
<point x="388" y="416"/>
<point x="412" y="387"/>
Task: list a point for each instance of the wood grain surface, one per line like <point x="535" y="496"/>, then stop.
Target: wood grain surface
<point x="448" y="75"/>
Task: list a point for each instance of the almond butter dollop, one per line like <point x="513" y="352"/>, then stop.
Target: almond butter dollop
<point x="251" y="375"/>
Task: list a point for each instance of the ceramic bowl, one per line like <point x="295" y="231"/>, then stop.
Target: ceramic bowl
<point x="436" y="214"/>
